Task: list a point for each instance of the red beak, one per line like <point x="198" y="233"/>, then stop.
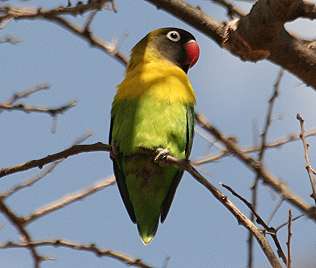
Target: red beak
<point x="192" y="52"/>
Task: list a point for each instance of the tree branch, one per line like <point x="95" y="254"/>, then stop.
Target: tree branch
<point x="67" y="200"/>
<point x="73" y="150"/>
<point x="30" y="108"/>
<point x="18" y="224"/>
<point x="258" y="35"/>
<point x="99" y="252"/>
<point x="272" y="145"/>
<point x="310" y="171"/>
<point x="256" y="167"/>
<point x="241" y="218"/>
<point x="254" y="188"/>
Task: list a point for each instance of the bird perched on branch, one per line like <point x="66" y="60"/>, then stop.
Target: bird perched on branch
<point x="153" y="115"/>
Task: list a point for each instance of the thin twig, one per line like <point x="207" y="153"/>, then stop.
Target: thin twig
<point x="277" y="143"/>
<point x="30" y="108"/>
<point x="44" y="173"/>
<point x="264" y="135"/>
<point x="310" y="171"/>
<point x="287" y="222"/>
<point x="93" y="40"/>
<point x="270" y="230"/>
<point x="100" y="252"/>
<point x="28" y="183"/>
<point x="274" y="211"/>
<point x="288" y="243"/>
<point x="27" y="92"/>
<point x="18" y="224"/>
<point x="256" y="167"/>
<point x="68" y="199"/>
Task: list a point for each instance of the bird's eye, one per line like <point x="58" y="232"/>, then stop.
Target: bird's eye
<point x="174" y="36"/>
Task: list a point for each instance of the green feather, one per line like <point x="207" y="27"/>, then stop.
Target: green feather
<point x="139" y="127"/>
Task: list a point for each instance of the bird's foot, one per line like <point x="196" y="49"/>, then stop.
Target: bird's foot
<point x="161" y="154"/>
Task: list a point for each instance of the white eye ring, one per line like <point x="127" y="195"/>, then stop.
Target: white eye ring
<point x="173" y="36"/>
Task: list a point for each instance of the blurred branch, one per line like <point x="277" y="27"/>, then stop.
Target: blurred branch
<point x="273" y="145"/>
<point x="257" y="167"/>
<point x="67" y="199"/>
<point x="287" y="222"/>
<point x="288" y="243"/>
<point x="254" y="188"/>
<point x="99" y="252"/>
<point x="93" y="40"/>
<point x="31" y="181"/>
<point x="310" y="171"/>
<point x="10" y="39"/>
<point x="54" y="15"/>
<point x="52" y="111"/>
<point x="27" y="92"/>
<point x="230" y="7"/>
<point x="18" y="13"/>
<point x="17" y="223"/>
<point x="274" y="211"/>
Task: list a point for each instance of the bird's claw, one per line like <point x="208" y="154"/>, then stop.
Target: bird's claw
<point x="161" y="154"/>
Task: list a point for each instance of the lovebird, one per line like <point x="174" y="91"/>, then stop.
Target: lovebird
<point x="152" y="116"/>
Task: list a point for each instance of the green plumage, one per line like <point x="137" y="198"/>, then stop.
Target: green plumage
<point x="153" y="109"/>
<point x="139" y="127"/>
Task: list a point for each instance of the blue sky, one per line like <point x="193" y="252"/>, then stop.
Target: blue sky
<point x="198" y="232"/>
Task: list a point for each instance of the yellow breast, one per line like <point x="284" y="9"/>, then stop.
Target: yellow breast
<point x="160" y="78"/>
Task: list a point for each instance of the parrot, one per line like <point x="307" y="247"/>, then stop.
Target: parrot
<point x="152" y="116"/>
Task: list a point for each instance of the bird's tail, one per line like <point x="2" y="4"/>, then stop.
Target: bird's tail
<point x="147" y="231"/>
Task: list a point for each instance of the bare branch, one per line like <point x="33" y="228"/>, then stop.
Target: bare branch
<point x="68" y="199"/>
<point x="73" y="150"/>
<point x="287" y="222"/>
<point x="273" y="145"/>
<point x="31" y="181"/>
<point x="99" y="252"/>
<point x="288" y="243"/>
<point x="271" y="231"/>
<point x="93" y="40"/>
<point x="30" y="108"/>
<point x="274" y="211"/>
<point x="310" y="171"/>
<point x="27" y="92"/>
<point x="42" y="174"/>
<point x="18" y="13"/>
<point x="256" y="167"/>
<point x="241" y="218"/>
<point x="18" y="224"/>
<point x="54" y="14"/>
<point x="254" y="188"/>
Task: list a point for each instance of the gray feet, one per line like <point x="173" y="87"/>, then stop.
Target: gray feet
<point x="161" y="154"/>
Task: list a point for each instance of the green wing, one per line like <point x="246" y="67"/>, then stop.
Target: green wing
<point x="120" y="179"/>
<point x="176" y="180"/>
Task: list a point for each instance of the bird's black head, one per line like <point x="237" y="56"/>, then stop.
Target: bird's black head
<point x="176" y="45"/>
